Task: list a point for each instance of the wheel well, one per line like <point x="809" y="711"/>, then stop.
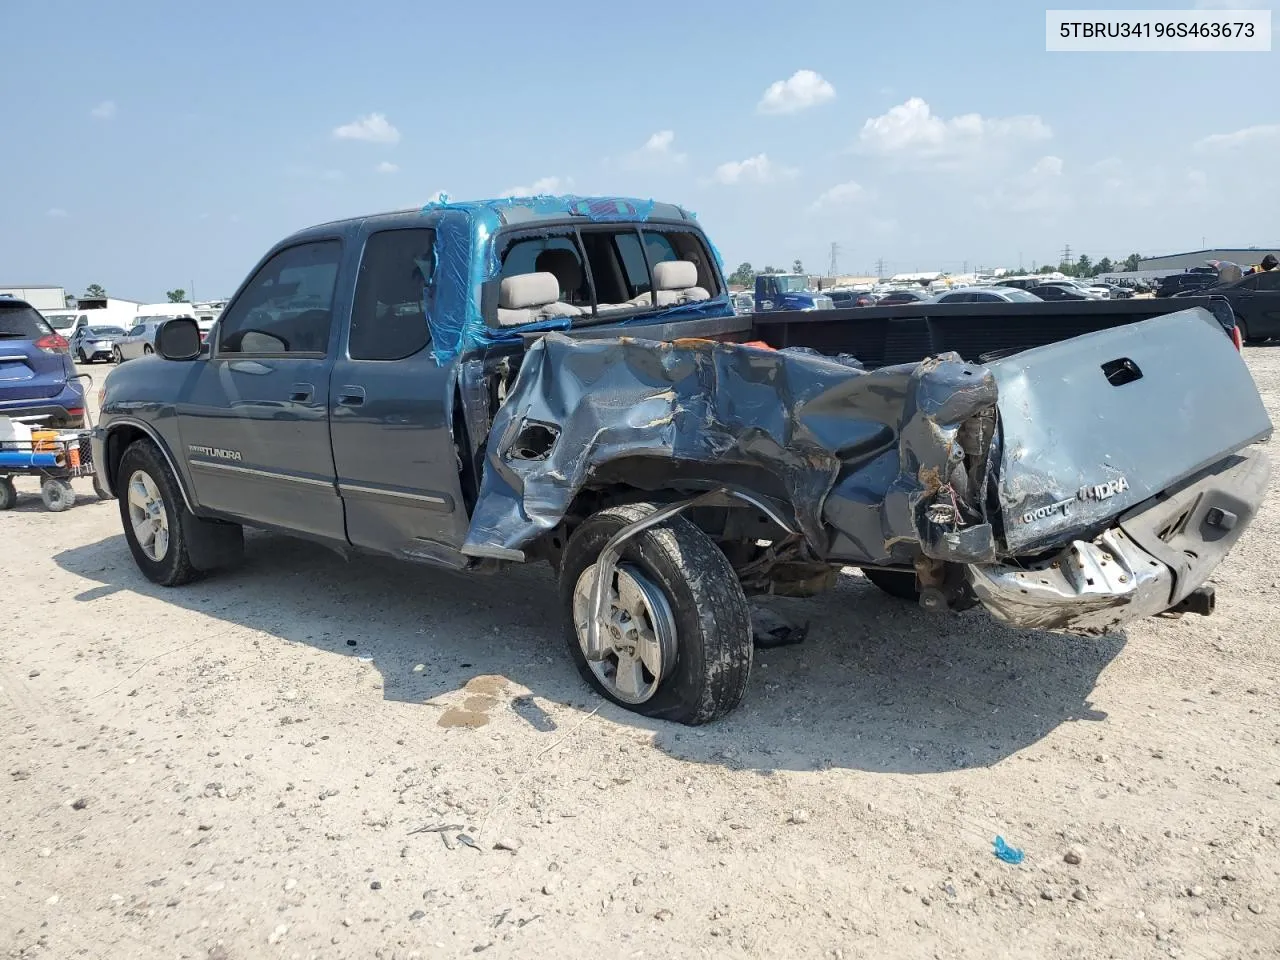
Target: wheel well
<point x="119" y="440"/>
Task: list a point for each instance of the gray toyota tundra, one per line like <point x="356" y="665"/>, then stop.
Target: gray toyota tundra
<point x="565" y="379"/>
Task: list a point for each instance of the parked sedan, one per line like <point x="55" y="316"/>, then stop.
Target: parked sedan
<point x="987" y="295"/>
<point x="90" y="344"/>
<point x="1255" y="300"/>
<point x="1052" y="292"/>
<point x="139" y="341"/>
<point x="898" y="298"/>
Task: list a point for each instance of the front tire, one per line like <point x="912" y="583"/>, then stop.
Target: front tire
<point x="677" y="624"/>
<point x="151" y="510"/>
<point x="116" y="355"/>
<point x="146" y="349"/>
<point x="80" y="357"/>
<point x="8" y="495"/>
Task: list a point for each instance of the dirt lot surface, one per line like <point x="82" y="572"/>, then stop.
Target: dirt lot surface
<point x="309" y="758"/>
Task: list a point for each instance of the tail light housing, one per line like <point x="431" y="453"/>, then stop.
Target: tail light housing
<point x="54" y="343"/>
<point x="1236" y="339"/>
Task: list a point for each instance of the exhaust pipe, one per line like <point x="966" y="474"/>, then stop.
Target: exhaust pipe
<point x="1199" y="600"/>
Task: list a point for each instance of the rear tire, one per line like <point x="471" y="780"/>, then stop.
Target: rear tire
<point x="57" y="495"/>
<point x="80" y="357"/>
<point x="146" y="349"/>
<point x="897" y="583"/>
<point x="690" y="586"/>
<point x="99" y="489"/>
<point x="116" y="355"/>
<point x="8" y="495"/>
<point x="152" y="512"/>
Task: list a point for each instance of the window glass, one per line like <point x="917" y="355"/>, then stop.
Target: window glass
<point x="632" y="256"/>
<point x="388" y="319"/>
<point x="1269" y="280"/>
<point x="557" y="255"/>
<point x="287" y="306"/>
<point x="659" y="247"/>
<point x="21" y="322"/>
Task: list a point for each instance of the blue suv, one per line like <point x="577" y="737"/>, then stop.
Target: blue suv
<point x="36" y="371"/>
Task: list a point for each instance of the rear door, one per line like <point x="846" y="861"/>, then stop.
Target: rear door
<point x="390" y="408"/>
<point x="254" y="416"/>
<point x="28" y="371"/>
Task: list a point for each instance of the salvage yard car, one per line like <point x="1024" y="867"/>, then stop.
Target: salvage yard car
<point x="481" y="384"/>
<point x="90" y="344"/>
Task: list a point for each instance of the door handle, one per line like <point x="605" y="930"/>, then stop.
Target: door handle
<point x="350" y="396"/>
<point x="302" y="393"/>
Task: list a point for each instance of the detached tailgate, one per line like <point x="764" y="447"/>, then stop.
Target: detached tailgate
<point x="1097" y="424"/>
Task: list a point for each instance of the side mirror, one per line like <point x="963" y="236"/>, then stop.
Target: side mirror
<point x="178" y="339"/>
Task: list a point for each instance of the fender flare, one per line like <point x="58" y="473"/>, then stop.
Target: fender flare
<point x="155" y="438"/>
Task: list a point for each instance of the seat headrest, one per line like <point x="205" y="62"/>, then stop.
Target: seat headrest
<point x="675" y="275"/>
<point x="528" y="290"/>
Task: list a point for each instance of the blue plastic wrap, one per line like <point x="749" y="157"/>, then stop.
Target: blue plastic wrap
<point x="466" y="258"/>
<point x="1007" y="853"/>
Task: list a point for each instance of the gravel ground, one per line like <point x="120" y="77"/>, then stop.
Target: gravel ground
<point x="309" y="758"/>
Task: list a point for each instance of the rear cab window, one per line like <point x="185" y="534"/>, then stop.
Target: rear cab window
<point x="605" y="270"/>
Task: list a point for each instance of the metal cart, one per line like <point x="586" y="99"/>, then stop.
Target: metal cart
<point x="55" y="456"/>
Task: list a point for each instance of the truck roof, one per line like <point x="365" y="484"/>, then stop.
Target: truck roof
<point x="507" y="211"/>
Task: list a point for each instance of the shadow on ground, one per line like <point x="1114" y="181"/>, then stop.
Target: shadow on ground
<point x="878" y="685"/>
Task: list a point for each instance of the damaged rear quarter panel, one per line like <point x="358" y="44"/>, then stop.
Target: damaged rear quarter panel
<point x="790" y="425"/>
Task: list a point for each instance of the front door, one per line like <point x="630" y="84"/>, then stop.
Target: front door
<point x="254" y="417"/>
<point x="393" y="450"/>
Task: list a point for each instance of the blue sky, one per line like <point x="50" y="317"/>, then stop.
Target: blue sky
<point x="160" y="145"/>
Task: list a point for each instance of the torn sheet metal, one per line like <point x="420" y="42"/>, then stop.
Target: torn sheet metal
<point x="1105" y="421"/>
<point x="864" y="459"/>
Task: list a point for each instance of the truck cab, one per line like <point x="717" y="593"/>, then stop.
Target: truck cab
<point x="787" y="291"/>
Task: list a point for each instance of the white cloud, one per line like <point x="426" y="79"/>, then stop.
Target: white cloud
<point x="757" y="169"/>
<point x="1040" y="190"/>
<point x="802" y="90"/>
<point x="1047" y="167"/>
<point x="840" y="195"/>
<point x="386" y="166"/>
<point x="56" y="212"/>
<point x="1262" y="133"/>
<point x="375" y="128"/>
<point x="106" y="110"/>
<point x="913" y="130"/>
<point x="547" y="185"/>
<point x="658" y="153"/>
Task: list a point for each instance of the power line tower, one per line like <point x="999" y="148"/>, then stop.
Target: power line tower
<point x="833" y="267"/>
<point x="880" y="269"/>
<point x="1066" y="256"/>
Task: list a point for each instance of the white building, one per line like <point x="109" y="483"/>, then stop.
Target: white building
<point x="41" y="296"/>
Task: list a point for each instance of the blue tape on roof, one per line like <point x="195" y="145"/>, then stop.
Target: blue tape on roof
<point x="466" y="258"/>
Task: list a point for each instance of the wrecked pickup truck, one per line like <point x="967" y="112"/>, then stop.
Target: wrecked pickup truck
<point x="475" y="385"/>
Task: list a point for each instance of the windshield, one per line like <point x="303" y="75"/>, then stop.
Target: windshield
<point x="22" y="323"/>
<point x="792" y="283"/>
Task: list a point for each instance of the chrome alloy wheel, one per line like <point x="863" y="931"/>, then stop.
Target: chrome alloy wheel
<point x="147" y="514"/>
<point x="638" y="631"/>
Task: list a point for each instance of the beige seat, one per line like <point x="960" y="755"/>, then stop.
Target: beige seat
<point x="676" y="282"/>
<point x="530" y="297"/>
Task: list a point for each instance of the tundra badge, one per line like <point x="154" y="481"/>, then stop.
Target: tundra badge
<point x="216" y="453"/>
<point x="1098" y="491"/>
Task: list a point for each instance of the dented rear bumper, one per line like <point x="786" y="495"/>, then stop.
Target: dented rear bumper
<point x="1146" y="563"/>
